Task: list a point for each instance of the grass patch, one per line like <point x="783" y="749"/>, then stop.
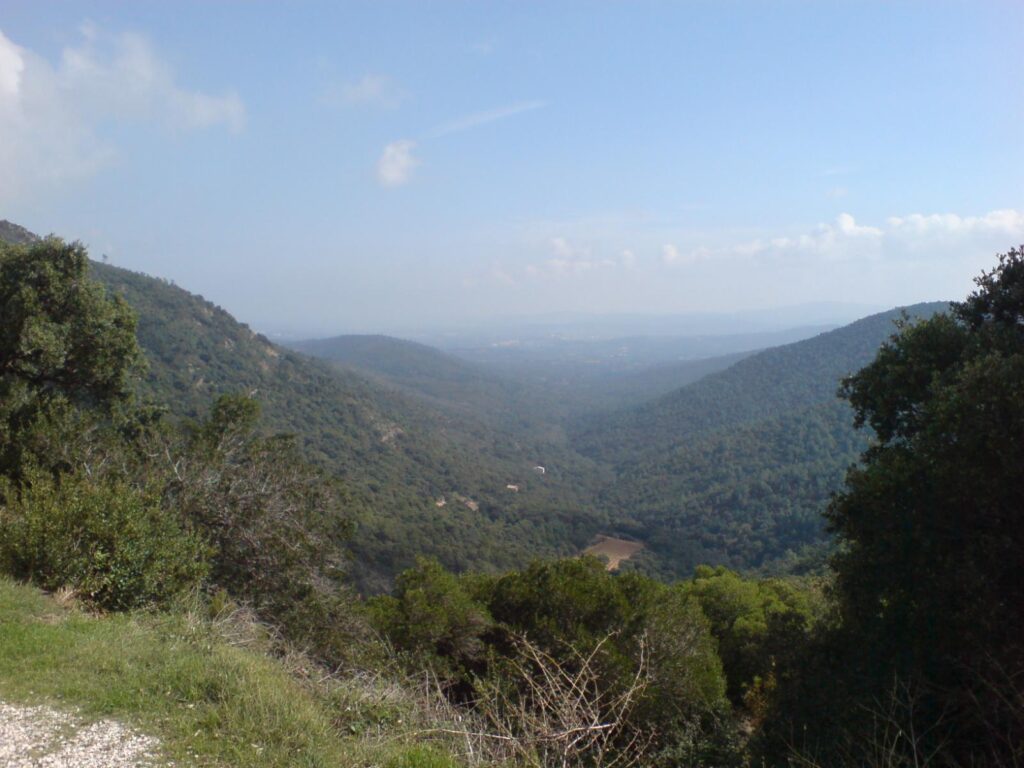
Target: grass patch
<point x="210" y="702"/>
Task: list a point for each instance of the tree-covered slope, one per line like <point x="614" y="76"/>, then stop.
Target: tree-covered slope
<point x="616" y="390"/>
<point x="400" y="456"/>
<point x="748" y="497"/>
<point x="15" y="234"/>
<point x="457" y="386"/>
<point x="768" y="384"/>
<point x="737" y="467"/>
<point x="439" y="453"/>
<point x="395" y="358"/>
<point x="529" y="401"/>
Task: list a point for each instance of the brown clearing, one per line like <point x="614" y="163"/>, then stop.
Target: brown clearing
<point x="616" y="550"/>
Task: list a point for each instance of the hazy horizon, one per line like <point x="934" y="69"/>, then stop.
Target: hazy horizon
<point x="319" y="168"/>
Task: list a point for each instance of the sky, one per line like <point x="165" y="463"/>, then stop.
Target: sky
<point x="319" y="168"/>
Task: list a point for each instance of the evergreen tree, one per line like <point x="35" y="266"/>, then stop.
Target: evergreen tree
<point x="64" y="345"/>
<point x="930" y="575"/>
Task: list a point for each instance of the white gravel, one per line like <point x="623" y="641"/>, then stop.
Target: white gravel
<point x="42" y="737"/>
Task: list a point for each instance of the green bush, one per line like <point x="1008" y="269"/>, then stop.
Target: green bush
<point x="111" y="543"/>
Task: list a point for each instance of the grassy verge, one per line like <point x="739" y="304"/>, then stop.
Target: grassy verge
<point x="210" y="702"/>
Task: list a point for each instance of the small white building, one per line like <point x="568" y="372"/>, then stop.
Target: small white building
<point x="539" y="470"/>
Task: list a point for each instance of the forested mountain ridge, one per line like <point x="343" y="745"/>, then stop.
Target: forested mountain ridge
<point x="387" y="355"/>
<point x="530" y="401"/>
<point x="748" y="497"/>
<point x="400" y="456"/>
<point x="767" y="384"/>
<point x="443" y="380"/>
<point x="737" y="467"/>
<point x="15" y="234"/>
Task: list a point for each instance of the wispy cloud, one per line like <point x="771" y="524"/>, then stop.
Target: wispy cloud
<point x="899" y="242"/>
<point x="370" y="90"/>
<point x="475" y="120"/>
<point x="914" y="236"/>
<point x="569" y="259"/>
<point x="397" y="163"/>
<point x="54" y="116"/>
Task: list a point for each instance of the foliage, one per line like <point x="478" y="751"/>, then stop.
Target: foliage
<point x="397" y="454"/>
<point x="735" y="468"/>
<point x="745" y="497"/>
<point x="64" y="345"/>
<point x="277" y="527"/>
<point x="115" y="545"/>
<point x="568" y="610"/>
<point x="757" y="623"/>
<point x="930" y="576"/>
<point x="435" y="620"/>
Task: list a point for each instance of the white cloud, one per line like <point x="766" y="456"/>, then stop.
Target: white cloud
<point x="915" y="236"/>
<point x="1001" y="222"/>
<point x="397" y="163"/>
<point x="371" y="90"/>
<point x="628" y="259"/>
<point x="53" y="115"/>
<point x="468" y="122"/>
<point x="12" y="64"/>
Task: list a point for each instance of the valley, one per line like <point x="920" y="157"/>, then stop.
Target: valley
<point x="701" y="449"/>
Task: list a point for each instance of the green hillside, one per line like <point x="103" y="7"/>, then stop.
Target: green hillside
<point x="456" y="386"/>
<point x="736" y="468"/>
<point x="622" y="389"/>
<point x="399" y="455"/>
<point x="768" y="384"/>
<point x="529" y="401"/>
<point x="747" y="497"/>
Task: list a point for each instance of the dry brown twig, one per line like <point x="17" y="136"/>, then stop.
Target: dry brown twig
<point x="554" y="713"/>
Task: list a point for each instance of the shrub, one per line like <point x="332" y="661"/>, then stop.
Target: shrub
<point x="110" y="542"/>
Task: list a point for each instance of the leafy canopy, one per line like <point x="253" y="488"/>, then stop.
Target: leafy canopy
<point x="64" y="344"/>
<point x="930" y="573"/>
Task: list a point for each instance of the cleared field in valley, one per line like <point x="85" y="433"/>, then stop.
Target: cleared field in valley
<point x="616" y="550"/>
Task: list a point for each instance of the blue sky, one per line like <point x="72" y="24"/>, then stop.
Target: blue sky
<point x="329" y="167"/>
